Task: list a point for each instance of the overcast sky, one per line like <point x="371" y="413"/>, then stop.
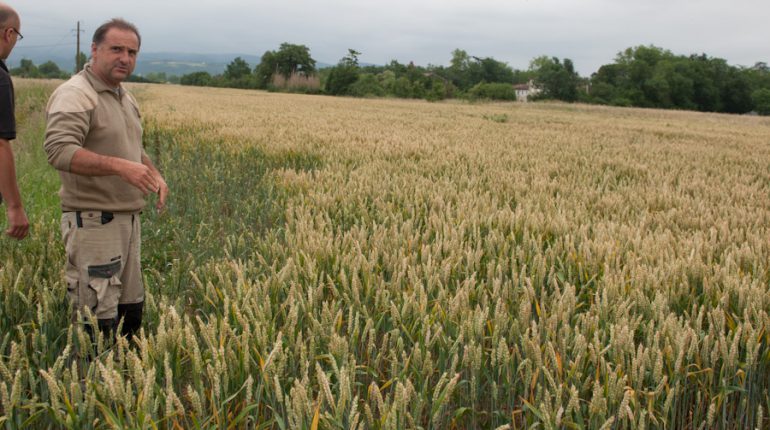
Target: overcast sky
<point x="590" y="32"/>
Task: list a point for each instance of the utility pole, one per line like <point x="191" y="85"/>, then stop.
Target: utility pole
<point x="78" y="66"/>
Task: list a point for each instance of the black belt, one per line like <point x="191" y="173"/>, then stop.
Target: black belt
<point x="105" y="218"/>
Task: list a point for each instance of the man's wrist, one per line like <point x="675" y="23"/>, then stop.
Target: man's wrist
<point x="115" y="165"/>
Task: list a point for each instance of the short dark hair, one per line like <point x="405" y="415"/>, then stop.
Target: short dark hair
<point x="118" y="23"/>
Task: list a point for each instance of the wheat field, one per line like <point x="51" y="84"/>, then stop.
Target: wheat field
<point x="335" y="263"/>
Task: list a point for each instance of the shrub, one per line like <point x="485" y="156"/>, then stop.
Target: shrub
<point x="437" y="92"/>
<point x="200" y="79"/>
<point x="340" y="79"/>
<point x="367" y="86"/>
<point x="492" y="91"/>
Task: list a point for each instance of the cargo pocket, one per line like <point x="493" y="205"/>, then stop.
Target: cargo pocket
<point x="104" y="281"/>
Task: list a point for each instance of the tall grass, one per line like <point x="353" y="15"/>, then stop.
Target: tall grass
<point x="297" y="82"/>
<point x="330" y="263"/>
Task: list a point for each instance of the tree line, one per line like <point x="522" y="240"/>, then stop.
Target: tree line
<point x="47" y="70"/>
<point x="642" y="76"/>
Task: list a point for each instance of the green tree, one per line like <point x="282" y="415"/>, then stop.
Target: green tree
<point x="81" y="59"/>
<point x="465" y="71"/>
<point x="736" y="92"/>
<point x="458" y="66"/>
<point x="462" y="71"/>
<point x="367" y="85"/>
<point x="265" y="69"/>
<point x="237" y="69"/>
<point x="287" y="60"/>
<point x="522" y="76"/>
<point x="648" y="76"/>
<point x="403" y="88"/>
<point x="558" y="80"/>
<point x="493" y="91"/>
<point x="608" y="84"/>
<point x="238" y="75"/>
<point x="759" y="75"/>
<point x="495" y="71"/>
<point x="295" y="59"/>
<point x="51" y="70"/>
<point x="639" y="84"/>
<point x="387" y="80"/>
<point x="438" y="91"/>
<point x="26" y="69"/>
<point x="343" y="75"/>
<point x="198" y="79"/>
<point x="681" y="85"/>
<point x="761" y="99"/>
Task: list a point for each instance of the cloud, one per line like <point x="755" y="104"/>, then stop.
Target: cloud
<point x="590" y="32"/>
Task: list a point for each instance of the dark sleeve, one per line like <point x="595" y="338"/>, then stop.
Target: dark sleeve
<point x="7" y="118"/>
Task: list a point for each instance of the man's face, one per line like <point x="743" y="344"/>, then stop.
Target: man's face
<point x="114" y="59"/>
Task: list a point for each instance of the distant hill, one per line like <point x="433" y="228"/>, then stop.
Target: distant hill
<point x="170" y="63"/>
<point x="174" y="63"/>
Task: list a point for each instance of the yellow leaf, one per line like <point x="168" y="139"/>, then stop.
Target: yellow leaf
<point x="742" y="375"/>
<point x="534" y="379"/>
<point x="387" y="384"/>
<point x="261" y="361"/>
<point x="316" y="416"/>
<point x="730" y="321"/>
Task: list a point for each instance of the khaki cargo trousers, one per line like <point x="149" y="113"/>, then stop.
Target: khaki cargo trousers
<point x="103" y="271"/>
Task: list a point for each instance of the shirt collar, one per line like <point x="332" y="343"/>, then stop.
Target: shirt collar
<point x="3" y="66"/>
<point x="98" y="84"/>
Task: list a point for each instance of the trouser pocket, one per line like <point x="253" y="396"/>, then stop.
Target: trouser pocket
<point x="106" y="286"/>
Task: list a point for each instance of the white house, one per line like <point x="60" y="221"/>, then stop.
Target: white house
<point x="525" y="91"/>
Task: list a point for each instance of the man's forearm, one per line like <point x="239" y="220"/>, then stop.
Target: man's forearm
<point x="8" y="187"/>
<point x="88" y="163"/>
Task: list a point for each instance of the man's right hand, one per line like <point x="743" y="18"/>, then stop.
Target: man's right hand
<point x="87" y="163"/>
<point x="140" y="176"/>
<point x="18" y="224"/>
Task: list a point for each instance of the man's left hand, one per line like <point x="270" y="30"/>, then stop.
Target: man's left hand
<point x="162" y="194"/>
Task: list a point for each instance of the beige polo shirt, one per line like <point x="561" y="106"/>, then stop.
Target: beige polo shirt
<point x="86" y="113"/>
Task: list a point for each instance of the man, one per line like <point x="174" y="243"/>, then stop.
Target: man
<point x="94" y="138"/>
<point x="18" y="225"/>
